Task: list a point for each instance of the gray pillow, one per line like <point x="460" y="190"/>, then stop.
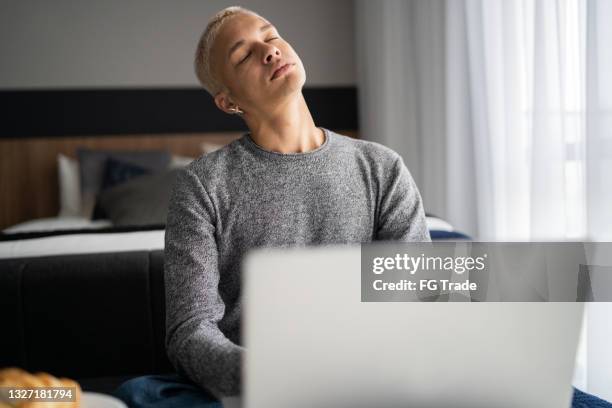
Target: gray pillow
<point x="140" y="201"/>
<point x="92" y="164"/>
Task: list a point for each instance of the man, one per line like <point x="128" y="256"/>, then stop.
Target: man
<point x="285" y="183"/>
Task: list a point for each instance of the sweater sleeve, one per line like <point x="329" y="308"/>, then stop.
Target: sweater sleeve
<point x="401" y="216"/>
<point x="196" y="346"/>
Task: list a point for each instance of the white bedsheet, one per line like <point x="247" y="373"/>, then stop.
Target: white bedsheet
<point x="76" y="243"/>
<point x="83" y="244"/>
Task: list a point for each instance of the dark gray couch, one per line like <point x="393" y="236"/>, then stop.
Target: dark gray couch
<point x="96" y="318"/>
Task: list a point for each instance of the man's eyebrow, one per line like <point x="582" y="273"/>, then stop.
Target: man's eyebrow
<point x="234" y="48"/>
<point x="265" y="27"/>
<point x="240" y="42"/>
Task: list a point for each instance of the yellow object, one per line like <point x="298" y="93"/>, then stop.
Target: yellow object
<point x="18" y="378"/>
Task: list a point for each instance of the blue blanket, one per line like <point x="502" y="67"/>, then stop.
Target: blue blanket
<point x="172" y="390"/>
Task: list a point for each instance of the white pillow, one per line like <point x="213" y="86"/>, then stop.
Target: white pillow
<point x="179" y="161"/>
<point x="69" y="186"/>
<point x="435" y="223"/>
<point x="56" y="224"/>
<point x="209" y="147"/>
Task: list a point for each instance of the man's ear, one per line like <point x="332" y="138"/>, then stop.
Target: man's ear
<point x="223" y="102"/>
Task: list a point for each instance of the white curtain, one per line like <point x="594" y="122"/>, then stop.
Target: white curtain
<point x="529" y="94"/>
<point x="524" y="63"/>
<point x="502" y="110"/>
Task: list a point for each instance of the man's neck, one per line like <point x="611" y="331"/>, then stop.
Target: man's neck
<point x="289" y="129"/>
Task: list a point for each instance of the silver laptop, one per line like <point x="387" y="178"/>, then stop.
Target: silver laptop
<point x="312" y="343"/>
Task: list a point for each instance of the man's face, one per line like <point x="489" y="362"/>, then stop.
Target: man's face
<point x="246" y="58"/>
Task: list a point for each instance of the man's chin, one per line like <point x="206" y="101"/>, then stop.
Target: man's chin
<point x="287" y="89"/>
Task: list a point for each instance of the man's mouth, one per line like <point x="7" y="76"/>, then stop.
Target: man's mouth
<point x="281" y="70"/>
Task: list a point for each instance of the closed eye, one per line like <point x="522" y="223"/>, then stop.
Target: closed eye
<point x="249" y="54"/>
<point x="245" y="58"/>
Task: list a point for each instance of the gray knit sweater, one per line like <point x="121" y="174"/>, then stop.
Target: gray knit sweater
<point x="243" y="197"/>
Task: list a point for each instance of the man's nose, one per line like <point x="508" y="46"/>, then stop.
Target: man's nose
<point x="271" y="54"/>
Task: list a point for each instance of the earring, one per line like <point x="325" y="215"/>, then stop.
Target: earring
<point x="236" y="111"/>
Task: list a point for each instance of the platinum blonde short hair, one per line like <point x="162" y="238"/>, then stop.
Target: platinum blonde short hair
<point x="203" y="65"/>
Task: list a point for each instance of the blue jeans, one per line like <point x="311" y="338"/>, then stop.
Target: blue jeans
<point x="172" y="390"/>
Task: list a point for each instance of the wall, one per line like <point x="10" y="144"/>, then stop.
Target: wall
<point x="150" y="43"/>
